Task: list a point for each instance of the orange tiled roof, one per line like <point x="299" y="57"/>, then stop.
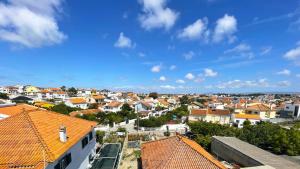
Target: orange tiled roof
<point x="260" y="107"/>
<point x="28" y="138"/>
<point x="177" y="152"/>
<point x="114" y="104"/>
<point x="163" y="101"/>
<point x="78" y="100"/>
<point x="88" y="111"/>
<point x="210" y="111"/>
<point x="98" y="97"/>
<point x="12" y="110"/>
<point x="247" y="116"/>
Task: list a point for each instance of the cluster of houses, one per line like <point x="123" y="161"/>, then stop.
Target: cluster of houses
<point x="212" y="108"/>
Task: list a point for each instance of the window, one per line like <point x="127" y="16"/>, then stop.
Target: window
<point x="90" y="136"/>
<point x="64" y="162"/>
<point x="84" y="141"/>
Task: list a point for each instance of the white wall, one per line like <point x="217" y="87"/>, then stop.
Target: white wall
<point x="80" y="157"/>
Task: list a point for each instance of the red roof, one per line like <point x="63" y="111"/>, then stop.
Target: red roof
<point x="177" y="152"/>
<point x="210" y="111"/>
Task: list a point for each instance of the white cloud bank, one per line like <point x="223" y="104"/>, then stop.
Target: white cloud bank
<point x="31" y="23"/>
<point x="157" y="15"/>
<point x="189" y="76"/>
<point x="162" y="78"/>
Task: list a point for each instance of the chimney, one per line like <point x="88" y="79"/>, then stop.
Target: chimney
<point x="63" y="133"/>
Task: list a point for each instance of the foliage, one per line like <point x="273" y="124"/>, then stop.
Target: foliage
<point x="63" y="109"/>
<point x="155" y="121"/>
<point x="90" y="117"/>
<point x="99" y="136"/>
<point x="180" y="111"/>
<point x="246" y="123"/>
<point x="72" y="91"/>
<point x="154" y="95"/>
<point x="63" y="88"/>
<point x="121" y="129"/>
<point x="4" y="96"/>
<point x="265" y="135"/>
<point x="184" y="100"/>
<point x="93" y="106"/>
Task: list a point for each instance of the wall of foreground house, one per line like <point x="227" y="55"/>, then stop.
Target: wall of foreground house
<point x="229" y="154"/>
<point x="80" y="157"/>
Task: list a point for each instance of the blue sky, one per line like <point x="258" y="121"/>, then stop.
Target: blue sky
<point x="152" y="45"/>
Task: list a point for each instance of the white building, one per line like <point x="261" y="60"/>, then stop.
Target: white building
<point x="113" y="106"/>
<point x="77" y="102"/>
<point x="294" y="108"/>
<point x="239" y="119"/>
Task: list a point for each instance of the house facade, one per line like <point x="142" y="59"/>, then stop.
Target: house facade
<point x="210" y="115"/>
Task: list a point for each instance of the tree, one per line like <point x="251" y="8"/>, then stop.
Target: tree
<point x="93" y="106"/>
<point x="184" y="100"/>
<point x="72" y="91"/>
<point x="63" y="109"/>
<point x="3" y="96"/>
<point x="99" y="136"/>
<point x="63" y="88"/>
<point x="154" y="95"/>
<point x="126" y="108"/>
<point x="246" y="123"/>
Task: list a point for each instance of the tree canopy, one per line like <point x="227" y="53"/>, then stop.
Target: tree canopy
<point x="4" y="96"/>
<point x="265" y="135"/>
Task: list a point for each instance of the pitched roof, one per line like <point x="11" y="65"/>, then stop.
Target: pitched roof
<point x="177" y="152"/>
<point x="77" y="100"/>
<point x="30" y="137"/>
<point x="259" y="106"/>
<point x="87" y="111"/>
<point x="15" y="109"/>
<point x="248" y="116"/>
<point x="114" y="104"/>
<point x="210" y="111"/>
<point x="98" y="97"/>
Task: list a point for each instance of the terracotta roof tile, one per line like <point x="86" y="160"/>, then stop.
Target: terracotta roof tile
<point x="29" y="137"/>
<point x="177" y="152"/>
<point x="15" y="109"/>
<point x="78" y="100"/>
<point x="210" y="111"/>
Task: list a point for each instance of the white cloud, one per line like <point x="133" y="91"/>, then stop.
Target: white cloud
<point x="283" y="83"/>
<point x="298" y="75"/>
<point x="31" y="23"/>
<point x="189" y="76"/>
<point x="156" y="68"/>
<point x="162" y="78"/>
<point x="189" y="55"/>
<point x="141" y="54"/>
<point x="225" y="28"/>
<point x="284" y="72"/>
<point x="124" y="42"/>
<point x="239" y="48"/>
<point x="168" y="87"/>
<point x="196" y="30"/>
<point x="180" y="81"/>
<point x="172" y="67"/>
<point x="266" y="50"/>
<point x="243" y="50"/>
<point x="157" y="15"/>
<point x="292" y="54"/>
<point x="210" y="73"/>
